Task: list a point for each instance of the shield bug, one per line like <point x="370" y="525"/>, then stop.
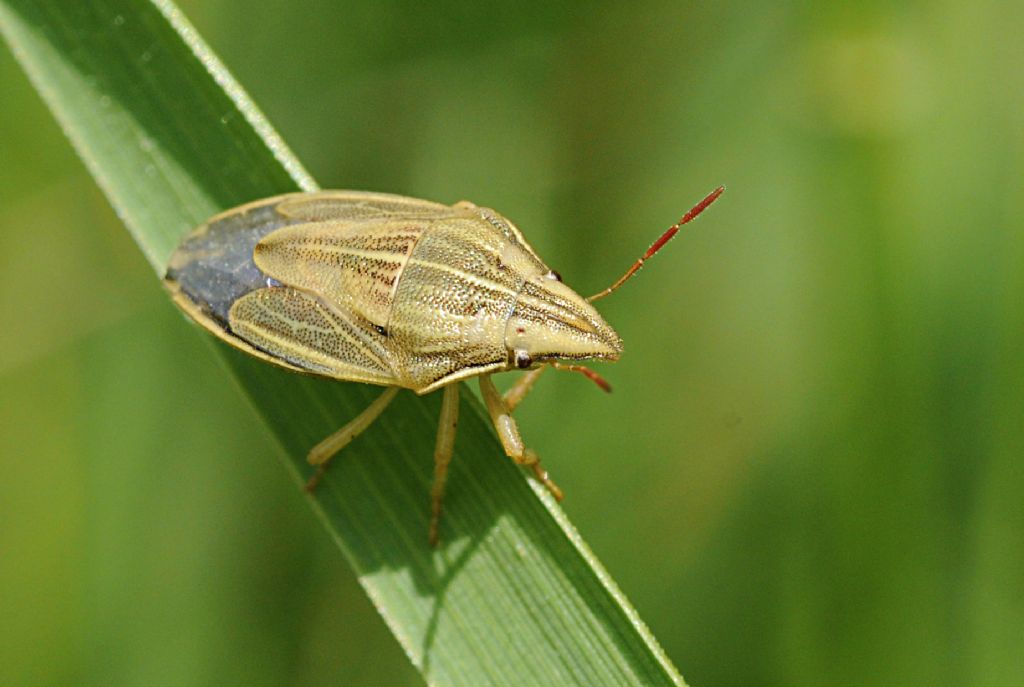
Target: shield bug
<point x="397" y="292"/>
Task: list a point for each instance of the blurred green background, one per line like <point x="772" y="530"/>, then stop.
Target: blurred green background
<point x="809" y="472"/>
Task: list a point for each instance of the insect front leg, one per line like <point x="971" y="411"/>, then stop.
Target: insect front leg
<point x="326" y="449"/>
<point x="443" y="455"/>
<point x="517" y="392"/>
<point x="508" y="433"/>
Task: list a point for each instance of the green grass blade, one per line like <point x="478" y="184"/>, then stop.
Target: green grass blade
<point x="513" y="596"/>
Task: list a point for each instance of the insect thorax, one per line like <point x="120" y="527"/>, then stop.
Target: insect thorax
<point x="454" y="300"/>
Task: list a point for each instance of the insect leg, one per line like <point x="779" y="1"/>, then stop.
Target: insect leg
<point x="517" y="392"/>
<point x="326" y="449"/>
<point x="508" y="433"/>
<point x="443" y="455"/>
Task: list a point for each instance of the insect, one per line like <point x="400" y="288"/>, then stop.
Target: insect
<point x="397" y="292"/>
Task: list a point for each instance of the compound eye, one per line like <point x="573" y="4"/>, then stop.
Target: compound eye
<point x="523" y="360"/>
<point x="554" y="275"/>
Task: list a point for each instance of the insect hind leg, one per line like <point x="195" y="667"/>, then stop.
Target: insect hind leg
<point x="443" y="450"/>
<point x="320" y="454"/>
<point x="508" y="433"/>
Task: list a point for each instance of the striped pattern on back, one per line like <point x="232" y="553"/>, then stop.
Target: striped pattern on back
<point x="301" y="329"/>
<point x="454" y="299"/>
<point x="354" y="266"/>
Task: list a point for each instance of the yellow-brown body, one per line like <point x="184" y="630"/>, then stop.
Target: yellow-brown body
<point x="382" y="289"/>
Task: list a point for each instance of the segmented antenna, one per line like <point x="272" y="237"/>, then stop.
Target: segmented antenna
<point x="660" y="243"/>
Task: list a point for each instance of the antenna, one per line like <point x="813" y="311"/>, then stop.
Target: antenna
<point x="660" y="243"/>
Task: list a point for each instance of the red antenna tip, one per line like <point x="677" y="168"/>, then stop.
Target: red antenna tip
<point x="702" y="205"/>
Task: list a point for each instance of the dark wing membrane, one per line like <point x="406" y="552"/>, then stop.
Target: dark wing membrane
<point x="298" y="328"/>
<point x="213" y="266"/>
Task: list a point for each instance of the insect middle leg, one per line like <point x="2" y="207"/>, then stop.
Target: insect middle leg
<point x="508" y="433"/>
<point x="443" y="455"/>
<point x="329" y="447"/>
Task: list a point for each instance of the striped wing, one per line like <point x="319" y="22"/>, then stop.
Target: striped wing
<point x="354" y="266"/>
<point x="298" y="328"/>
<point x="357" y="206"/>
